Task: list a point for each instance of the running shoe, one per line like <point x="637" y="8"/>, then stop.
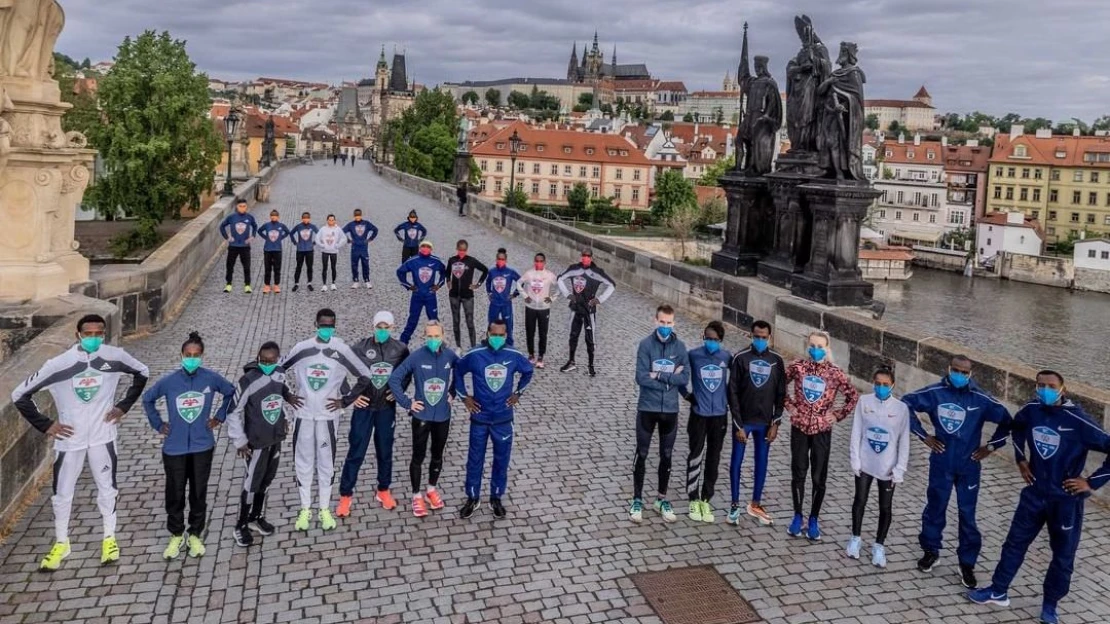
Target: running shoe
<point x="813" y="530"/>
<point x="532" y="360"/>
<point x="265" y="289"/>
<point x="636" y="511"/>
<point x="386" y="499"/>
<point x="734" y="514"/>
<point x="344" y="508"/>
<point x="435" y="501"/>
<point x="987" y="596"/>
<point x="277" y="290"/>
<point x="590" y="369"/>
<point x="227" y="288"/>
<point x="174" y="547"/>
<point x="757" y="511"/>
<point x="1048" y="615"/>
<point x="967" y="576"/>
<point x="795" y="529"/>
<point x="261" y="526"/>
<point x="418" y="508"/>
<point x="327" y="521"/>
<point x="243" y="536"/>
<point x="472" y="505"/>
<point x="296" y="287"/>
<point x="498" y="509"/>
<point x="310" y="288"/>
<point x="196" y="546"/>
<point x="247" y="289"/>
<point x="707" y="512"/>
<point x="663" y="507"/>
<point x="854" y="545"/>
<point x="878" y="555"/>
<point x="334" y="287"/>
<point x="109" y="550"/>
<point x="369" y="285"/>
<point x="354" y="285"/>
<point x="53" y="559"/>
<point x="928" y="560"/>
<point x="568" y="367"/>
<point x="303" y="519"/>
<point x="539" y="363"/>
<point x="695" y="510"/>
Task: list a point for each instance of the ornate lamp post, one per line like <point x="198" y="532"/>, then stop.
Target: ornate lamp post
<point x="514" y="148"/>
<point x="231" y="127"/>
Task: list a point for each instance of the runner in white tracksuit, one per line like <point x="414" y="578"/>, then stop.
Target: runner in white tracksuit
<point x="539" y="287"/>
<point x="83" y="382"/>
<point x="320" y="366"/>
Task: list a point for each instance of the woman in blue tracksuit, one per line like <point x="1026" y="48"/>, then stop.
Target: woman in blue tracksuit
<point x="427" y="274"/>
<point x="708" y="424"/>
<point x="501" y="288"/>
<point x="1052" y="437"/>
<point x="190" y="394"/>
<point x="411" y="233"/>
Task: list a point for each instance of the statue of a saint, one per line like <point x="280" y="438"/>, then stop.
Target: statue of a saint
<point x="762" y="119"/>
<point x="464" y="135"/>
<point x="269" y="152"/>
<point x="840" y="138"/>
<point x="804" y="73"/>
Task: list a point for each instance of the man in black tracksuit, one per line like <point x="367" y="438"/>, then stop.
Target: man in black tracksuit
<point x="585" y="278"/>
<point x="461" y="286"/>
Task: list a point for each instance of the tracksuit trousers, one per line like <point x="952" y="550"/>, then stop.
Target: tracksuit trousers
<point x="303" y="258"/>
<point x="533" y="320"/>
<point x="942" y="480"/>
<point x="314" y="456"/>
<point x="422" y="432"/>
<point x="367" y="424"/>
<point x="757" y="438"/>
<point x="408" y="252"/>
<point x="503" y="311"/>
<point x="67" y="468"/>
<point x="578" y="322"/>
<point x="809" y="452"/>
<point x="429" y="304"/>
<point x="501" y="434"/>
<point x="707" y="437"/>
<point x="328" y="262"/>
<point x="859" y="505"/>
<point x="188" y="472"/>
<point x="466" y="306"/>
<point x="271" y="267"/>
<point x="360" y="260"/>
<point x="646" y="422"/>
<point x="259" y="473"/>
<point x="243" y="255"/>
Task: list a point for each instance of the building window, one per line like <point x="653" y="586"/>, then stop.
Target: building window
<point x="620" y="173"/>
<point x="1050" y="230"/>
<point x="499" y="166"/>
<point x="1024" y="194"/>
<point x="500" y="146"/>
<point x="482" y="185"/>
<point x="1051" y="215"/>
<point x="520" y="167"/>
<point x="1077" y="176"/>
<point x="1036" y="194"/>
<point x="595" y="191"/>
<point x="1075" y="217"/>
<point x="882" y="214"/>
<point x="566" y="190"/>
<point x="617" y="192"/>
<point x="635" y="195"/>
<point x="988" y="242"/>
<point x="1106" y="220"/>
<point x="582" y="172"/>
<point x="997" y="170"/>
<point x="1105" y="255"/>
<point x="596" y="172"/>
<point x="567" y="170"/>
<point x="1055" y="175"/>
<point x="1092" y="199"/>
<point x="1025" y="172"/>
<point x="539" y="148"/>
<point x="1094" y="177"/>
<point x="636" y="175"/>
<point x="901" y="196"/>
<point x="566" y="150"/>
<point x="520" y="186"/>
<point x="1036" y="174"/>
<point x="522" y="148"/>
<point x="1091" y="218"/>
<point x="936" y="201"/>
<point x="1011" y="172"/>
<point x="1053" y="196"/>
<point x="535" y="188"/>
<point x="554" y="170"/>
<point x="1009" y="192"/>
<point x="909" y="154"/>
<point x="897" y="215"/>
<point x="929" y="154"/>
<point x="1036" y="214"/>
<point x="1076" y="196"/>
<point x="589" y="151"/>
<point x="497" y="186"/>
<point x="933" y="218"/>
<point x="535" y="168"/>
<point x="998" y="192"/>
<point x="1019" y="151"/>
<point x="916" y="216"/>
<point x="484" y="165"/>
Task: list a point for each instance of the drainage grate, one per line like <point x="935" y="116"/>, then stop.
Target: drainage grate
<point x="694" y="595"/>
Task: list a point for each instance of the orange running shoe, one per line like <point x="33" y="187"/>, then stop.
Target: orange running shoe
<point x="434" y="500"/>
<point x="418" y="508"/>
<point x="277" y="290"/>
<point x="386" y="499"/>
<point x="344" y="508"/>
<point x="266" y="289"/>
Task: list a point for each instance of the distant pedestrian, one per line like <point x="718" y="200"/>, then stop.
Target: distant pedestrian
<point x="274" y="234"/>
<point x="359" y="234"/>
<point x="330" y="239"/>
<point x="304" y="237"/>
<point x="335" y="158"/>
<point x="462" y="194"/>
<point x="427" y="274"/>
<point x="461" y="285"/>
<point x="539" y="287"/>
<point x="501" y="288"/>
<point x="343" y="158"/>
<point x="238" y="229"/>
<point x="411" y="233"/>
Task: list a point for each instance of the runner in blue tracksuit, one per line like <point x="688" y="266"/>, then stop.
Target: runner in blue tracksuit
<point x="428" y="275"/>
<point x="359" y="234"/>
<point x="501" y="288"/>
<point x="1052" y="437"/>
<point x="303" y="236"/>
<point x="238" y="229"/>
<point x="492" y="368"/>
<point x="411" y="233"/>
<point x="957" y="409"/>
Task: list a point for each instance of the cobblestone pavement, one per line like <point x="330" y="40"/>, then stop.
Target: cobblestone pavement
<point x="566" y="550"/>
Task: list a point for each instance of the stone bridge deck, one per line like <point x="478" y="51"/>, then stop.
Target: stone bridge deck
<point x="566" y="550"/>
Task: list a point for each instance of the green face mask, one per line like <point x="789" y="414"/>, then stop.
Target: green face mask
<point x="496" y="342"/>
<point x="325" y="333"/>
<point x="91" y="344"/>
<point x="381" y="335"/>
<point x="434" y="344"/>
<point x="267" y="369"/>
<point x="190" y="364"/>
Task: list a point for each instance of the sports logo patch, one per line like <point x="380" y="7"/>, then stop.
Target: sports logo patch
<point x="496" y="374"/>
<point x="662" y="366"/>
<point x="413" y="233"/>
<point x="379" y="374"/>
<point x="360" y="230"/>
<point x="87" y="385"/>
<point x="813" y="388"/>
<point x="329" y="240"/>
<point x="189" y="406"/>
<point x="951" y="416"/>
<point x="434" y="389"/>
<point x="457" y="269"/>
<point x="536" y="286"/>
<point x="273" y="235"/>
<point x="240" y="227"/>
<point x="579" y="284"/>
<point x="877" y="438"/>
<point x="499" y="284"/>
<point x="318" y="375"/>
<point x="424" y="274"/>
<point x="1046" y="441"/>
<point x="271" y="408"/>
<point x="712" y="376"/>
<point x="759" y="371"/>
<point x="306" y="234"/>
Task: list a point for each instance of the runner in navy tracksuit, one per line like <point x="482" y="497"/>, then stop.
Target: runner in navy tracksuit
<point x="708" y="423"/>
<point x="501" y="288"/>
<point x="274" y="234"/>
<point x="304" y="236"/>
<point x="492" y="368"/>
<point x="428" y="275"/>
<point x="411" y="233"/>
<point x="957" y="409"/>
<point x="360" y="233"/>
<point x="1052" y="437"/>
<point x="238" y="229"/>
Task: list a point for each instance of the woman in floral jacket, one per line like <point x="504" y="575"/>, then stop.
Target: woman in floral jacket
<point x="816" y="383"/>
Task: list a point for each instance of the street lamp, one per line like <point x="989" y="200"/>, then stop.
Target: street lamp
<point x="514" y="148"/>
<point x="231" y="128"/>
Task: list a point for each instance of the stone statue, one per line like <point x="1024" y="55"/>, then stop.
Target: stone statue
<point x="28" y="31"/>
<point x="464" y="134"/>
<point x="5" y="129"/>
<point x="840" y="136"/>
<point x="804" y="73"/>
<point x="269" y="153"/>
<point x="759" y="129"/>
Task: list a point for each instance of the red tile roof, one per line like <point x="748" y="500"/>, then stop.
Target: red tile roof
<point x="894" y="104"/>
<point x="715" y="94"/>
<point x="671" y="85"/>
<point x="1043" y="151"/>
<point x="922" y="93"/>
<point x="557" y="142"/>
<point x="1000" y="218"/>
<point x="890" y="253"/>
<point x="967" y="158"/>
<point x="900" y="153"/>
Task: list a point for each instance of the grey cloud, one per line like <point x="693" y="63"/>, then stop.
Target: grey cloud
<point x="1034" y="57"/>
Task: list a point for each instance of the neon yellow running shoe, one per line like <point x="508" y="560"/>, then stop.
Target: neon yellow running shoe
<point x="174" y="548"/>
<point x="54" y="558"/>
<point x="327" y="522"/>
<point x="109" y="550"/>
<point x="303" y="519"/>
<point x="695" y="510"/>
<point x="706" y="512"/>
<point x="196" y="546"/>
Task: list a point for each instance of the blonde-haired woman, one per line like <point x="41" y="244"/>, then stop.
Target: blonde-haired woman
<point x="816" y="383"/>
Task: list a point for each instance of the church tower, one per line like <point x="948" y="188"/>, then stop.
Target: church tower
<point x="572" y="67"/>
<point x="381" y="72"/>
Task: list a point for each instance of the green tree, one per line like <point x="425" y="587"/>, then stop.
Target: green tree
<point x="586" y="99"/>
<point x="581" y="108"/>
<point x="603" y="211"/>
<point x="518" y="100"/>
<point x="716" y="170"/>
<point x="516" y="198"/>
<point x="1102" y="123"/>
<point x="84" y="114"/>
<point x="578" y="199"/>
<point x="493" y="97"/>
<point x="470" y="98"/>
<point x="667" y="116"/>
<point x="87" y="63"/>
<point x="713" y="210"/>
<point x="423" y="138"/>
<point x="687" y="118"/>
<point x="872" y="122"/>
<point x="895" y="128"/>
<point x="160" y="149"/>
<point x="682" y="222"/>
<point x="672" y="192"/>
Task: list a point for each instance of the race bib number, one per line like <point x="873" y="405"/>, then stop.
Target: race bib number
<point x="457" y="269"/>
<point x="495" y="375"/>
<point x="271" y="408"/>
<point x="318" y="375"/>
<point x="662" y="366"/>
<point x="379" y="374"/>
<point x="87" y="385"/>
<point x="813" y="388"/>
<point x="712" y="376"/>
<point x="536" y="286"/>
<point x="877" y="438"/>
<point x="1046" y="441"/>
<point x="424" y="274"/>
<point x="189" y="406"/>
<point x="499" y="284"/>
<point x="951" y="417"/>
<point x="434" y="389"/>
<point x="579" y="284"/>
<point x="759" y="372"/>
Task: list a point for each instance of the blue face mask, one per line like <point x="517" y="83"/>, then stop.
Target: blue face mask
<point x="958" y="379"/>
<point x="712" y="346"/>
<point x="664" y="332"/>
<point x="817" y="353"/>
<point x="1048" y="396"/>
<point x="759" y="344"/>
<point x="882" y="391"/>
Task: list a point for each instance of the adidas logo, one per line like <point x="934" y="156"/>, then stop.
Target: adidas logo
<point x="323" y="445"/>
<point x="106" y="366"/>
<point x="106" y="468"/>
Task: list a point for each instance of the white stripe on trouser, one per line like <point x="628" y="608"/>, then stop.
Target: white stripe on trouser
<point x="315" y="452"/>
<point x="66" y="472"/>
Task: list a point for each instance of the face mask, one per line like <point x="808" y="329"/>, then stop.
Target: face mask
<point x="539" y="265"/>
<point x="381" y="335"/>
<point x="273" y="219"/>
<point x="358" y="218"/>
<point x="496" y="342"/>
<point x="425" y="252"/>
<point x="434" y="344"/>
<point x="817" y="353"/>
<point x="267" y="369"/>
<point x="958" y="379"/>
<point x="462" y="253"/>
<point x="883" y="392"/>
<point x="1048" y="396"/>
<point x="586" y="262"/>
<point x="499" y="264"/>
<point x="325" y="333"/>
<point x="305" y="221"/>
<point x="759" y="344"/>
<point x="664" y="332"/>
<point x="91" y="343"/>
<point x="712" y="346"/>
<point x="412" y="219"/>
<point x="190" y="364"/>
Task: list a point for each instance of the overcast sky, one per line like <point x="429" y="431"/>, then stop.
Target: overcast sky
<point x="1034" y="57"/>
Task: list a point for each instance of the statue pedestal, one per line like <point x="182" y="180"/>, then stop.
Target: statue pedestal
<point x="791" y="228"/>
<point x="749" y="232"/>
<point x="832" y="276"/>
<point x="462" y="168"/>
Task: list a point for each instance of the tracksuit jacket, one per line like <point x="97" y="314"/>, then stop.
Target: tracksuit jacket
<point x="585" y="282"/>
<point x="427" y="271"/>
<point x="663" y="358"/>
<point x="360" y="233"/>
<point x="538" y="286"/>
<point x="320" y="370"/>
<point x="189" y="401"/>
<point x="492" y="374"/>
<point x="709" y="381"/>
<point x="880" y="442"/>
<point x="238" y="229"/>
<point x="330" y="239"/>
<point x="756" y="388"/>
<point x="410" y="233"/>
<point x="257" y="419"/>
<point x="433" y="379"/>
<point x="304" y="236"/>
<point x="274" y="234"/>
<point x="382" y="359"/>
<point x="501" y="286"/>
<point x="83" y="386"/>
<point x="816" y="385"/>
<point x="460" y="276"/>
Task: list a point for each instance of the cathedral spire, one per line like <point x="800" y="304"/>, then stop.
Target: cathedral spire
<point x="572" y="67"/>
<point x="595" y="49"/>
<point x="614" y="57"/>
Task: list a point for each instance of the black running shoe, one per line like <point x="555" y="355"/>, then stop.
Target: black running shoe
<point x="497" y="507"/>
<point x="569" y="366"/>
<point x="928" y="560"/>
<point x="310" y="288"/>
<point x="469" y="508"/>
<point x="243" y="536"/>
<point x="296" y="287"/>
<point x="593" y="373"/>
<point x="967" y="576"/>
<point x="261" y="526"/>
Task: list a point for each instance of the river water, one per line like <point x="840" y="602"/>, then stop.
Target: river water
<point x="1040" y="326"/>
